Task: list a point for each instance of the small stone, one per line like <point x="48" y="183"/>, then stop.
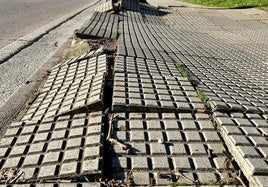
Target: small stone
<point x="160" y="141"/>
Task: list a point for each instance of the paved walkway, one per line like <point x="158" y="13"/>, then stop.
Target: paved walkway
<point x="188" y="99"/>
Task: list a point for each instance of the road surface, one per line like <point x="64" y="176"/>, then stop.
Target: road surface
<point x="21" y="17"/>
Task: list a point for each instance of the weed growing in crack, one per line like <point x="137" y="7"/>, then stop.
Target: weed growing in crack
<point x="182" y="70"/>
<point x="226" y="181"/>
<point x="204" y="98"/>
<point x="31" y="97"/>
<point x="173" y="184"/>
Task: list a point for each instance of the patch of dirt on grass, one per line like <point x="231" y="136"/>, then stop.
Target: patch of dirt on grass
<point x="77" y="48"/>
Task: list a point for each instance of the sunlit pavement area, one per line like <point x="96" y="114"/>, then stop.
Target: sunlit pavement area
<point x="176" y="95"/>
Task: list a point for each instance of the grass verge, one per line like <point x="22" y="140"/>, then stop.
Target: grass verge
<point x="263" y="4"/>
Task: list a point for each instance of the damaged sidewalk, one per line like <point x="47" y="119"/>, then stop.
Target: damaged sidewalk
<point x="160" y="103"/>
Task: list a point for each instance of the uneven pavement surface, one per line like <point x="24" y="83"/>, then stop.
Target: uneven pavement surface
<point x="177" y="95"/>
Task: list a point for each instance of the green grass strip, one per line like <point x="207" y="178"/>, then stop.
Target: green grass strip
<point x="231" y="3"/>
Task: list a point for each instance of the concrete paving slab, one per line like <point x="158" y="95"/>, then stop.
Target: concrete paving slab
<point x="100" y="25"/>
<point x="60" y="150"/>
<point x="210" y="45"/>
<point x="245" y="140"/>
<point x="160" y="144"/>
<point x="160" y="93"/>
<point x="145" y="66"/>
<point x="225" y="91"/>
<point x="207" y="59"/>
<point x="71" y="87"/>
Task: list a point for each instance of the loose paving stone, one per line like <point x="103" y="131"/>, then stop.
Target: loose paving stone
<point x="59" y="150"/>
<point x="101" y="25"/>
<point x="191" y="153"/>
<point x="245" y="147"/>
<point x="70" y="88"/>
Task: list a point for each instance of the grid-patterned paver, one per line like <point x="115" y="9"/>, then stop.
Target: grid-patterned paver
<point x="226" y="89"/>
<point x="125" y="64"/>
<point x="154" y="93"/>
<point x="245" y="135"/>
<point x="100" y="25"/>
<point x="189" y="37"/>
<point x="192" y="40"/>
<point x="72" y="86"/>
<point x="137" y="40"/>
<point x="63" y="148"/>
<point x="162" y="142"/>
<point x="159" y="117"/>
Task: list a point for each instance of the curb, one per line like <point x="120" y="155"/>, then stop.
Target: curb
<point x="25" y="41"/>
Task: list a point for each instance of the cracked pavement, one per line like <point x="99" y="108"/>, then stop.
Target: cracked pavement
<point x="135" y="115"/>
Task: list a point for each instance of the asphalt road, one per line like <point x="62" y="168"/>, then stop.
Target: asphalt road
<point x="21" y="17"/>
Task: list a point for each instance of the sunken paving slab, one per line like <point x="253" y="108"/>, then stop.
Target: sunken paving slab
<point x="63" y="148"/>
<point x="245" y="135"/>
<point x="155" y="93"/>
<point x="162" y="142"/>
<point x="100" y="25"/>
<point x="72" y="86"/>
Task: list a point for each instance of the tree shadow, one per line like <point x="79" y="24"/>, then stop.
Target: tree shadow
<point x="244" y="7"/>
